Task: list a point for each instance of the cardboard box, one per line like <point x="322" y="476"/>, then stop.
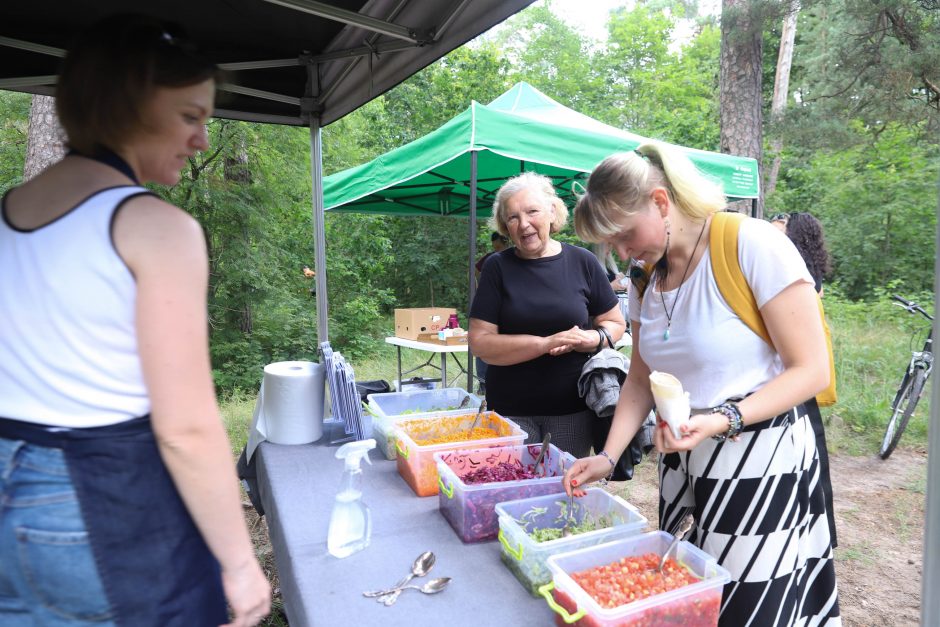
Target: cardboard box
<point x="432" y="338"/>
<point x="409" y="323"/>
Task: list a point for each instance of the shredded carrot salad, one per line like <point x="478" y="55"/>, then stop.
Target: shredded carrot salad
<point x="454" y="429"/>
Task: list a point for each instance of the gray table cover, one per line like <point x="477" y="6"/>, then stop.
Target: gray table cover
<point x="297" y="485"/>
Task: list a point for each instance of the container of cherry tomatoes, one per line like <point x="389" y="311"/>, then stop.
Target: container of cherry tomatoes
<point x="616" y="585"/>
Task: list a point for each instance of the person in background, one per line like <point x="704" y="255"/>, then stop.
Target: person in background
<point x="541" y="309"/>
<point x="806" y="233"/>
<point x="745" y="464"/>
<point x="311" y="274"/>
<point x="498" y="242"/>
<point x="779" y="220"/>
<point x="120" y="500"/>
<point x="618" y="282"/>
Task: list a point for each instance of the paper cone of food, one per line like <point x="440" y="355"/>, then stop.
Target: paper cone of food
<point x="672" y="404"/>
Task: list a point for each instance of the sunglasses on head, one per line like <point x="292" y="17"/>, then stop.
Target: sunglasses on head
<point x="780" y="217"/>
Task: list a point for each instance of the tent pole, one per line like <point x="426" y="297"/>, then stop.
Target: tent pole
<point x="319" y="232"/>
<point x="473" y="248"/>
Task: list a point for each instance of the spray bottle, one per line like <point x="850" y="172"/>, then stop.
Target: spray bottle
<point x="350" y="521"/>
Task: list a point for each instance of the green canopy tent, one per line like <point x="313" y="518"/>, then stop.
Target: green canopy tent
<point x="523" y="129"/>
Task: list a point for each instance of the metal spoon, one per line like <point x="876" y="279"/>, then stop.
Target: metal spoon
<point x="477" y="418"/>
<point x="566" y="530"/>
<point x="684" y="527"/>
<point x="538" y="460"/>
<point x="420" y="568"/>
<point x="431" y="587"/>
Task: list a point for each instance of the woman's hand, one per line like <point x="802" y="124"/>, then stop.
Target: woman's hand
<point x="699" y="428"/>
<point x="584" y="471"/>
<point x="574" y="339"/>
<point x="248" y="594"/>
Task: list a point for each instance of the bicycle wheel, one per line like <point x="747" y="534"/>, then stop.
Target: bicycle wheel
<point x="908" y="396"/>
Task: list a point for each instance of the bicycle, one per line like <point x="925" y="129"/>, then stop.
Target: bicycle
<point x="912" y="384"/>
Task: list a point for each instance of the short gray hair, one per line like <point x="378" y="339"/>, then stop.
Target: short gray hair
<point x="536" y="182"/>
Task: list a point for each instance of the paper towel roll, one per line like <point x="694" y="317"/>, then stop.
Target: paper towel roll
<point x="289" y="409"/>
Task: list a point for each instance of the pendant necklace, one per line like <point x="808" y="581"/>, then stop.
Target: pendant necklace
<point x="662" y="299"/>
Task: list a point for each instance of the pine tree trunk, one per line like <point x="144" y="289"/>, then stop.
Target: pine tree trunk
<point x="781" y="91"/>
<point x="45" y="143"/>
<point x="739" y="86"/>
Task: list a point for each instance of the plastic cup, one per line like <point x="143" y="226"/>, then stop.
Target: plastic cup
<point x="672" y="403"/>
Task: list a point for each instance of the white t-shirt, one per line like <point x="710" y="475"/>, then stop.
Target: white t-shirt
<point x="710" y="349"/>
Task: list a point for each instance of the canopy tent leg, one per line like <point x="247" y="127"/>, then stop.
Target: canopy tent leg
<point x="319" y="231"/>
<point x="930" y="600"/>
<point x="471" y="267"/>
<point x="311" y="109"/>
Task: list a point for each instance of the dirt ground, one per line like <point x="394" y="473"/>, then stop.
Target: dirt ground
<point x="880" y="523"/>
<point x="879" y="519"/>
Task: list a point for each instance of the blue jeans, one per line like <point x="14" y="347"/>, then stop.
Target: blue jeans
<point x="49" y="576"/>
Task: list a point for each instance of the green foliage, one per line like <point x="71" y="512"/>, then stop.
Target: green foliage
<point x="872" y="344"/>
<point x="552" y="57"/>
<point x="877" y="202"/>
<point x="258" y="241"/>
<point x="874" y="62"/>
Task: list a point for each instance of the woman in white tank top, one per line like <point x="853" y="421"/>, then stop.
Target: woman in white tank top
<point x="124" y="501"/>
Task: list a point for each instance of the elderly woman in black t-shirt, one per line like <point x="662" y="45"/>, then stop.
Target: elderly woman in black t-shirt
<point x="541" y="309"/>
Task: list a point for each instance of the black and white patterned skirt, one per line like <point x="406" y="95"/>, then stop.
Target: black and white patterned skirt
<point x="760" y="510"/>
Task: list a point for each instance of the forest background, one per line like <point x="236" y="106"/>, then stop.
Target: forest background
<point x="857" y="145"/>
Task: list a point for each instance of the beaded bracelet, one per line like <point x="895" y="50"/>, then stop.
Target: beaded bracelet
<point x="732" y="412"/>
<point x="613" y="466"/>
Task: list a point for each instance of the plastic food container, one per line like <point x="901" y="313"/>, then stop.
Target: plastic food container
<point x="471" y="509"/>
<point x="695" y="605"/>
<point x="416" y="462"/>
<point x="389" y="406"/>
<point x="527" y="558"/>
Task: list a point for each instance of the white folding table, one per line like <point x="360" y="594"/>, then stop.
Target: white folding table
<point x="434" y="350"/>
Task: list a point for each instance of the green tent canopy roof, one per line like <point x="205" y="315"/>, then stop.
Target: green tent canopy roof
<point x="523" y="129"/>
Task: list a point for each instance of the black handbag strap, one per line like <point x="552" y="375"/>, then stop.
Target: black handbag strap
<point x="603" y="331"/>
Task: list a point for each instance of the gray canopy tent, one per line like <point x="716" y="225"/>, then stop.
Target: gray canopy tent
<point x="296" y="62"/>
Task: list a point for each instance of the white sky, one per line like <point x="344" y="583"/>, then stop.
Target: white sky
<point x="588" y="16"/>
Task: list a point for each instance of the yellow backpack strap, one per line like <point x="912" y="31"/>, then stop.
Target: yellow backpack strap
<point x="828" y="396"/>
<point x="723" y="249"/>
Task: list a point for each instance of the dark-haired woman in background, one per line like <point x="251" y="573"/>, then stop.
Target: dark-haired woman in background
<point x="120" y="500"/>
<point x="806" y="233"/>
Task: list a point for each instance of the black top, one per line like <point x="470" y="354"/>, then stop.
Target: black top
<point x="540" y="297"/>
